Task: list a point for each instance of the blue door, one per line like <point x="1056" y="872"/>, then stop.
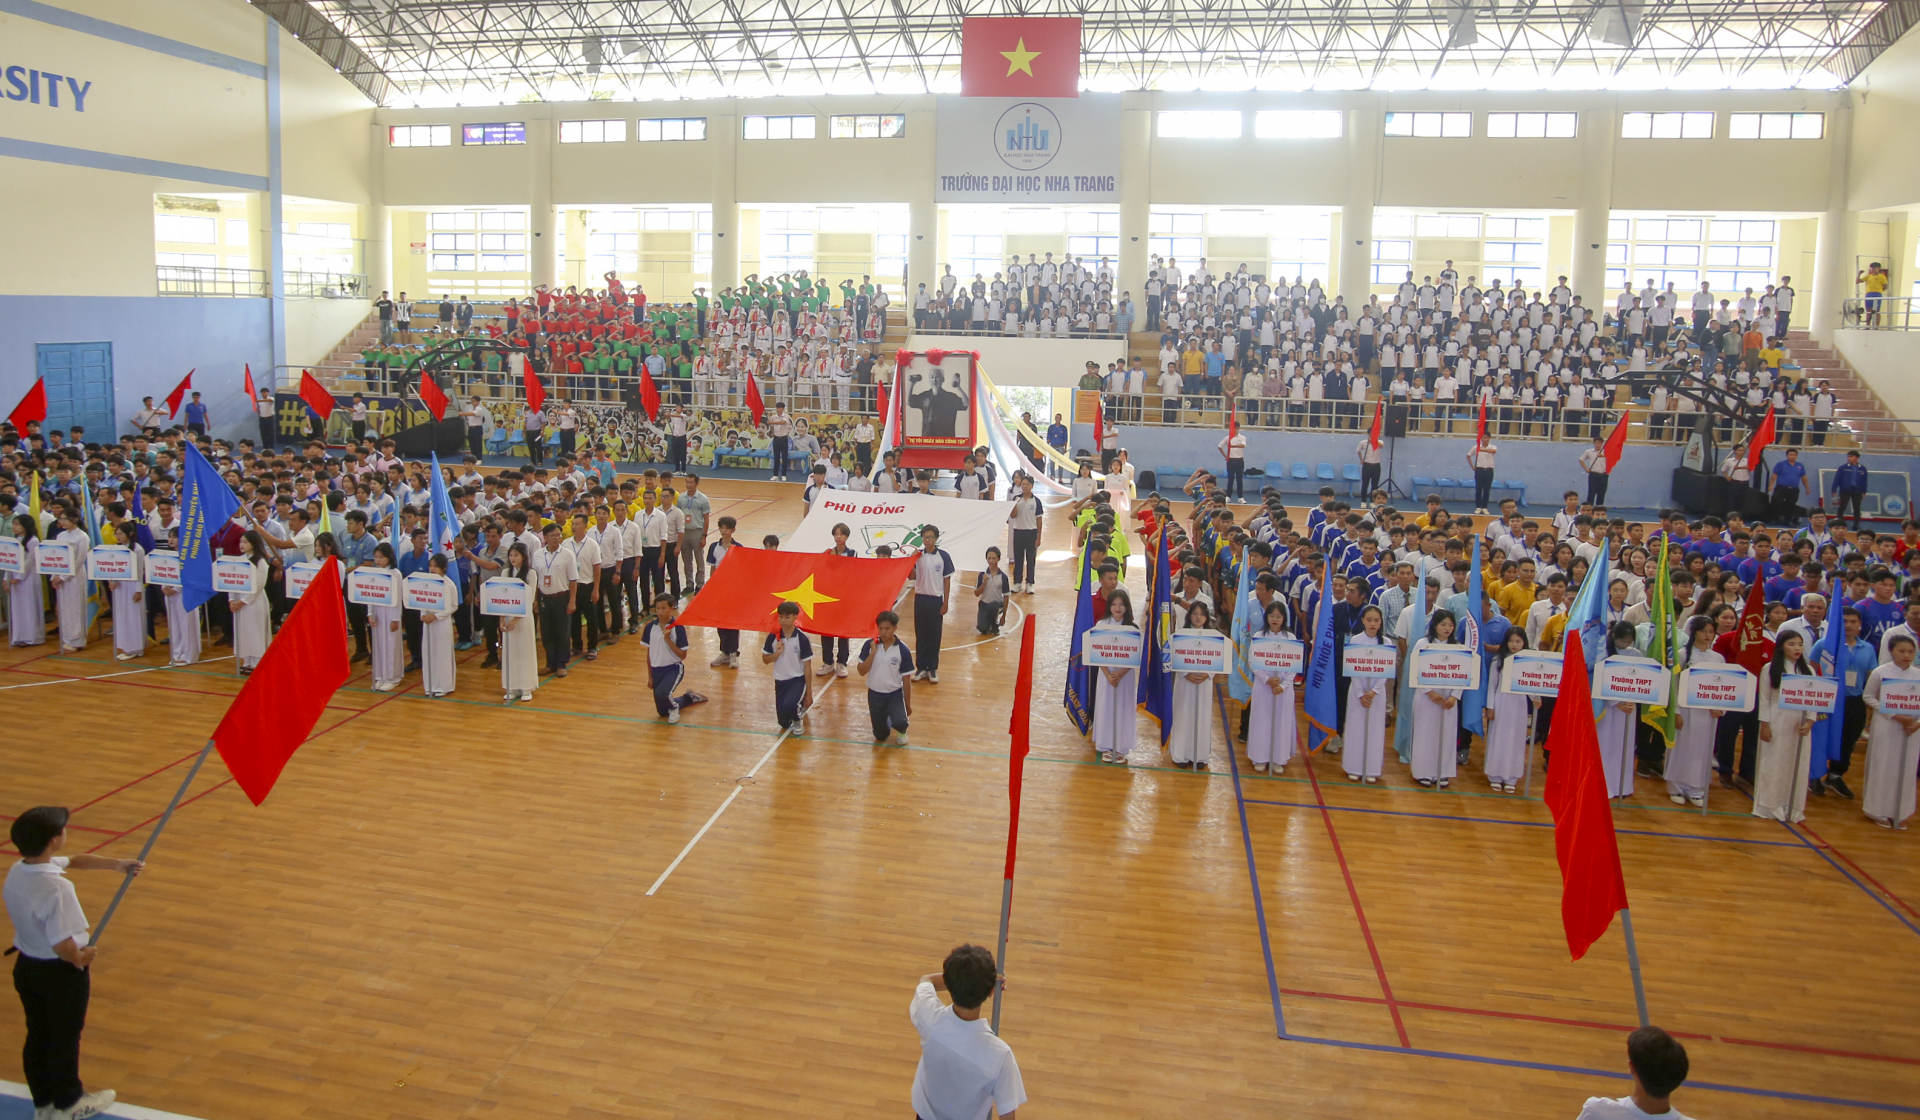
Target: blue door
<point x="79" y="377"/>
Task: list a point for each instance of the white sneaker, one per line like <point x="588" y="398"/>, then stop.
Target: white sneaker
<point x="93" y="1104"/>
<point x="839" y="670"/>
<point x="823" y="669"/>
<point x="899" y="738"/>
<point x="733" y="661"/>
<point x="933" y="676"/>
<point x="673" y="715"/>
<point x="719" y="662"/>
<point x="774" y="478"/>
<point x="1333" y="745"/>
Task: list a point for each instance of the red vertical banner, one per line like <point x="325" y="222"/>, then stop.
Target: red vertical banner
<point x="1018" y="727"/>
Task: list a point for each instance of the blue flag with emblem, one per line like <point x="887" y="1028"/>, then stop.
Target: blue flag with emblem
<point x="206" y="503"/>
<point x="1156" y="680"/>
<point x="1827" y="732"/>
<point x="1323" y="673"/>
<point x="1079" y="693"/>
<point x="1473" y="702"/>
<point x="443" y="521"/>
<point x="1588" y="616"/>
<point x="1403" y="722"/>
<point x="1246" y="621"/>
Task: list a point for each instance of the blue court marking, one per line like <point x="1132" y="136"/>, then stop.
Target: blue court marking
<point x="1870" y="893"/>
<point x="1523" y="824"/>
<point x="1253" y="873"/>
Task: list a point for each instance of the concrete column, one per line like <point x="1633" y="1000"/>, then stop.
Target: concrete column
<point x="1598" y="127"/>
<point x="276" y="199"/>
<point x="1833" y="243"/>
<point x="723" y="133"/>
<point x="1136" y="198"/>
<point x="377" y="231"/>
<point x="545" y="242"/>
<point x="1356" y="204"/>
<point x="923" y="213"/>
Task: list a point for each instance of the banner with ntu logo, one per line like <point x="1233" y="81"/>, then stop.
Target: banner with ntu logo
<point x="1042" y="149"/>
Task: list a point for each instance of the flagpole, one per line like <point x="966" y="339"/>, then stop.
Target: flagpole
<point x="1018" y="727"/>
<point x="1633" y="965"/>
<point x="100" y="929"/>
<point x="1533" y="717"/>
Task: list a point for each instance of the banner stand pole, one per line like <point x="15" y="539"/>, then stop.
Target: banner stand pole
<point x="1533" y="718"/>
<point x="1633" y="965"/>
<point x="100" y="928"/>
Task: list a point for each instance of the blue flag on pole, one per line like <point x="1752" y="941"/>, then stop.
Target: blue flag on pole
<point x="1827" y="732"/>
<point x="1323" y="674"/>
<point x="443" y="522"/>
<point x="1473" y="621"/>
<point x="206" y="503"/>
<point x="1403" y="720"/>
<point x="1079" y="694"/>
<point x="1588" y="616"/>
<point x="1246" y="621"/>
<point x="1156" y="681"/>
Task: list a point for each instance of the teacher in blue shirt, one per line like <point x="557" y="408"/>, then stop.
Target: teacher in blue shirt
<point x="1789" y="478"/>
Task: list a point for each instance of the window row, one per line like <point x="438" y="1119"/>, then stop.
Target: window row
<point x="1691" y="229"/>
<point x="852" y="126"/>
<point x="1316" y="124"/>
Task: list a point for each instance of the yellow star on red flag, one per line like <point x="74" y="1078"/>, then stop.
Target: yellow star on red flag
<point x="806" y="596"/>
<point x="1019" y="59"/>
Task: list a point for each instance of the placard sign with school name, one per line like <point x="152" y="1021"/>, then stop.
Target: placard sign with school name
<point x="1445" y="667"/>
<point x="1532" y="673"/>
<point x="1808" y="694"/>
<point x="1726" y="688"/>
<point x="1114" y="648"/>
<point x="1632" y="680"/>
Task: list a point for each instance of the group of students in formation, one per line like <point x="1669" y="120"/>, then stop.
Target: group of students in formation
<point x="1380" y="568"/>
<point x="1038" y="299"/>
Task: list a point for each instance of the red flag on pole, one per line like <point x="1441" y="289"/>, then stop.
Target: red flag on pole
<point x="1233" y="426"/>
<point x="316" y="396"/>
<point x="757" y="404"/>
<point x="1592" y="887"/>
<point x="433" y="396"/>
<point x="32" y="408"/>
<point x="1762" y="439"/>
<point x="650" y="394"/>
<point x="283" y="699"/>
<point x="1099" y="424"/>
<point x="1616" y="443"/>
<point x="1379" y="412"/>
<point x="1752" y="649"/>
<point x="252" y="393"/>
<point x="1018" y="727"/>
<point x="536" y="392"/>
<point x="1480" y="428"/>
<point x="179" y="394"/>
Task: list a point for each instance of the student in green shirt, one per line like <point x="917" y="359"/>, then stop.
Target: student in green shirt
<point x="700" y="310"/>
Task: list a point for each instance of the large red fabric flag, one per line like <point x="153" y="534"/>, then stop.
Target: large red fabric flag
<point x="247" y="371"/>
<point x="1762" y="439"/>
<point x="1480" y="427"/>
<point x="1617" y="442"/>
<point x="1233" y="423"/>
<point x="1379" y="413"/>
<point x="1752" y="649"/>
<point x="650" y="394"/>
<point x="838" y="595"/>
<point x="431" y="395"/>
<point x="1099" y="424"/>
<point x="32" y="408"/>
<point x="1018" y="727"/>
<point x="1592" y="887"/>
<point x="316" y="396"/>
<point x="536" y="390"/>
<point x="278" y="706"/>
<point x="756" y="404"/>
<point x="179" y="394"/>
<point x="1022" y="56"/>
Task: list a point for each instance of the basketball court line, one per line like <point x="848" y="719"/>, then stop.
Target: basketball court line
<point x="1864" y="889"/>
<point x="1863" y="871"/>
<point x="1522" y="824"/>
<point x="103" y="676"/>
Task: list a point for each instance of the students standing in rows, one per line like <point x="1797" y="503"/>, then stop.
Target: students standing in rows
<point x="932" y="587"/>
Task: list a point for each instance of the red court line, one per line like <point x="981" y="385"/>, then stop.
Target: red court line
<point x="183" y="804"/>
<point x="1820" y="1050"/>
<point x="31" y="660"/>
<point x="70" y="825"/>
<point x="1863" y="871"/>
<point x="1380" y="969"/>
<point x="137" y="684"/>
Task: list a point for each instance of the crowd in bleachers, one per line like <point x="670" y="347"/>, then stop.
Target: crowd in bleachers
<point x="1038" y="299"/>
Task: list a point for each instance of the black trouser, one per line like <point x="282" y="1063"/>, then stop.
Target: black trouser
<point x="463" y="616"/>
<point x="553" y="628"/>
<point x="863" y="452"/>
<point x="666" y="678"/>
<point x="1596" y="487"/>
<point x="268" y="424"/>
<point x="585" y="613"/>
<point x="670" y="567"/>
<point x="927" y="621"/>
<point x="629" y="569"/>
<point x="677" y="453"/>
<point x="357" y="622"/>
<point x="536" y="447"/>
<point x="1786" y="504"/>
<point x="1369" y="478"/>
<point x="567" y="437"/>
<point x="888" y="711"/>
<point x="1853" y="720"/>
<point x="610" y="600"/>
<point x="490" y="631"/>
<point x="828" y="654"/>
<point x="1237" y="478"/>
<point x="729" y="642"/>
<point x="476" y="441"/>
<point x="54" y="996"/>
<point x="1846" y="498"/>
<point x="652" y="579"/>
<point x="780" y="463"/>
<point x="1482" y="487"/>
<point x="787" y="695"/>
<point x="410" y="627"/>
<point x="1741" y="725"/>
<point x="1026" y="543"/>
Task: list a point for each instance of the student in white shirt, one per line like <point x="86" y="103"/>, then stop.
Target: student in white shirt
<point x="932" y="585"/>
<point x="788" y="651"/>
<point x="888" y="666"/>
<point x="1659" y="1066"/>
<point x="965" y="1068"/>
<point x="666" y="643"/>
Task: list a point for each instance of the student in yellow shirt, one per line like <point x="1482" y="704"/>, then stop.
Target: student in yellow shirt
<point x="1874" y="282"/>
<point x="1772" y="355"/>
<point x="1516" y="598"/>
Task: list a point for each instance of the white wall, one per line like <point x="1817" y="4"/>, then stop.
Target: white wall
<point x="1885" y="171"/>
<point x="1887" y="361"/>
<point x="316" y="326"/>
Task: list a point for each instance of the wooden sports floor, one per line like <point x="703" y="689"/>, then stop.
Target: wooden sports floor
<point x="441" y="912"/>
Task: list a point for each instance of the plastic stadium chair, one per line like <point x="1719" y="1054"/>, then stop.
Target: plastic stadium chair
<point x="1300" y="471"/>
<point x="1146" y="482"/>
<point x="1422" y="487"/>
<point x="1324" y="472"/>
<point x="1351" y="473"/>
<point x="1274" y="469"/>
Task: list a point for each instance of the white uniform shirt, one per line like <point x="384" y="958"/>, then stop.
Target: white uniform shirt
<point x="964" y="1067"/>
<point x="1623" y="1108"/>
<point x="586" y="557"/>
<point x="890" y="664"/>
<point x="555" y="570"/>
<point x="44" y="908"/>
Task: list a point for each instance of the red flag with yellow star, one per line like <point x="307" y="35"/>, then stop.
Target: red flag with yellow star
<point x="1019" y="56"/>
<point x="838" y="595"/>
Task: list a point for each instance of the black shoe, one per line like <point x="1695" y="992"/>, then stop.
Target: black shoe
<point x="363" y="655"/>
<point x="1836" y="785"/>
<point x="1818" y="789"/>
<point x="490" y="663"/>
<point x="412" y="667"/>
<point x="1744" y="785"/>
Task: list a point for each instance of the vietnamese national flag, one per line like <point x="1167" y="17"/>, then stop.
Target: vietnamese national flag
<point x="431" y="395"/>
<point x="1616" y="444"/>
<point x="1099" y="423"/>
<point x="1592" y="887"/>
<point x="32" y="409"/>
<point x="1373" y="434"/>
<point x="1762" y="439"/>
<point x="838" y="595"/>
<point x="1020" y="56"/>
<point x="756" y="404"/>
<point x="316" y="396"/>
<point x="1233" y="426"/>
<point x="179" y="394"/>
<point x="283" y="699"/>
<point x="650" y="393"/>
<point x="536" y="390"/>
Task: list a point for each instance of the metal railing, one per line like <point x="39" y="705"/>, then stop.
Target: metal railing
<point x="192" y="280"/>
<point x="1888" y="313"/>
<point x="324" y="285"/>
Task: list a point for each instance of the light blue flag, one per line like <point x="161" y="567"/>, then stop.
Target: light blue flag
<point x="1473" y="620"/>
<point x="443" y="523"/>
<point x="1827" y="732"/>
<point x="1323" y="673"/>
<point x="1403" y="721"/>
<point x="1246" y="621"/>
<point x="1588" y="616"/>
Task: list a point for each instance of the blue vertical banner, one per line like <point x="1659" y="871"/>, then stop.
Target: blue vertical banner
<point x="1323" y="674"/>
<point x="1827" y="737"/>
<point x="1473" y="622"/>
<point x="206" y="502"/>
<point x="1079" y="693"/>
<point x="1403" y="720"/>
<point x="1246" y="622"/>
<point x="443" y="522"/>
<point x="1156" y="680"/>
